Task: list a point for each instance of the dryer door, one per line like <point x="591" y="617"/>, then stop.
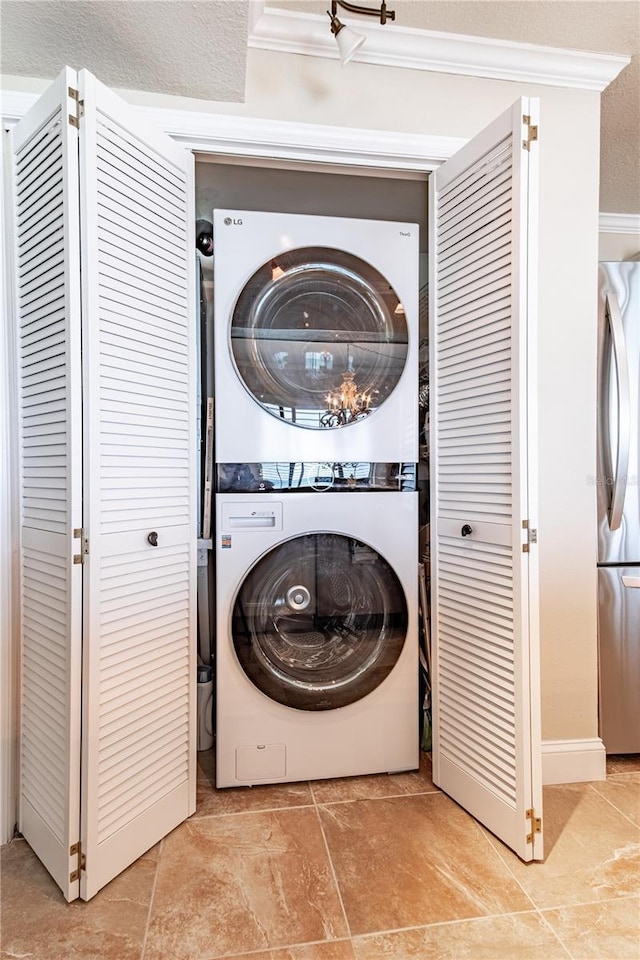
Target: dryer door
<point x="319" y="338"/>
<point x="319" y="621"/>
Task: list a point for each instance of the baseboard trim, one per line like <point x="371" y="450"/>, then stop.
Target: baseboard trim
<point x="573" y="761"/>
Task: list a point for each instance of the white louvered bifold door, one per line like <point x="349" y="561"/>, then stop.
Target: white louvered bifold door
<point x="486" y="746"/>
<point x="139" y="667"/>
<point x="44" y="149"/>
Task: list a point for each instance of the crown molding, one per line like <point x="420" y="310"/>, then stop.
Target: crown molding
<point x="259" y="138"/>
<point x="15" y="104"/>
<point x="394" y="46"/>
<point x="620" y="223"/>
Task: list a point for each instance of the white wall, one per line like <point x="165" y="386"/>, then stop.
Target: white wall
<point x="618" y="246"/>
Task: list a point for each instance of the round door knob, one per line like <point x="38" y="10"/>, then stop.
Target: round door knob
<point x="466" y="530"/>
<point x="153" y="538"/>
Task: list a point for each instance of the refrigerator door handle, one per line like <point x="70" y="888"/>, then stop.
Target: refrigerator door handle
<point x="619" y="491"/>
<point x="631" y="582"/>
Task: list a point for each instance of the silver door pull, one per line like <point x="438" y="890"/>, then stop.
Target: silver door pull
<point x="153" y="538"/>
<point x="632" y="582"/>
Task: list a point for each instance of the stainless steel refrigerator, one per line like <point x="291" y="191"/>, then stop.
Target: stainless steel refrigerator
<point x="619" y="505"/>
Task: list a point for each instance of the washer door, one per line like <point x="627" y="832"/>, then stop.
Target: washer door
<point x="319" y="338"/>
<point x="319" y="622"/>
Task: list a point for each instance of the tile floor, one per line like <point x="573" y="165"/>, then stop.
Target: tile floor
<point x="368" y="868"/>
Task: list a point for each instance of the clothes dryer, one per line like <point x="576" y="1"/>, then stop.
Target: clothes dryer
<point x="316" y="338"/>
<point x="317" y="635"/>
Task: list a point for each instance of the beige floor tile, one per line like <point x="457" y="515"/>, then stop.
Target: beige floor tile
<point x="591" y="850"/>
<point x="516" y="937"/>
<point x="338" y="950"/>
<point x="38" y="923"/>
<point x="600" y="931"/>
<point x="243" y="883"/>
<point x="410" y="861"/>
<point x="329" y="951"/>
<point x="211" y="802"/>
<point x="623" y="763"/>
<point x="623" y="791"/>
<point x="379" y="785"/>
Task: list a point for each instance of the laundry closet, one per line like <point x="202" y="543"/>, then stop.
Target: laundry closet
<point x="110" y="458"/>
<point x="316" y="514"/>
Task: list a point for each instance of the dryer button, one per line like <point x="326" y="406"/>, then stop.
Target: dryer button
<point x="298" y="598"/>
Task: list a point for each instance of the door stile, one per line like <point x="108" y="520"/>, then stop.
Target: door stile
<point x="44" y="149"/>
<point x="530" y="272"/>
<point x="524" y="333"/>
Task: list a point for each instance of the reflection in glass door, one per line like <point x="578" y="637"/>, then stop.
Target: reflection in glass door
<point x="319" y="338"/>
<point x="319" y="621"/>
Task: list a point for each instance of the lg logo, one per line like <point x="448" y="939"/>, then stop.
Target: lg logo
<point x="228" y="221"/>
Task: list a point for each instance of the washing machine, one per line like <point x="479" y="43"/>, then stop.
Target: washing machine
<point x="317" y="633"/>
<point x="316" y="338"/>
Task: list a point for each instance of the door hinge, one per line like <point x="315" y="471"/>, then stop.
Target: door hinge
<point x="78" y="534"/>
<point x="532" y="132"/>
<point x="532" y="536"/>
<point x="536" y="823"/>
<point x="76" y="850"/>
<point x="75" y="120"/>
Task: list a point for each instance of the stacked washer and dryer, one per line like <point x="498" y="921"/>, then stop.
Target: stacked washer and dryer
<point x="316" y="537"/>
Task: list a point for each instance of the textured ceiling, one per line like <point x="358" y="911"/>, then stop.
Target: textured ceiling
<point x="198" y="48"/>
<point x="190" y="48"/>
<point x="601" y="26"/>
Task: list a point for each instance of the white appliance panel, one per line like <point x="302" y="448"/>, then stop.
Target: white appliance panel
<point x="260" y="740"/>
<point x="245" y="241"/>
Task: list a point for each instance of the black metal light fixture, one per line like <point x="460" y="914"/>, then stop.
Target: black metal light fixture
<point x="347" y="39"/>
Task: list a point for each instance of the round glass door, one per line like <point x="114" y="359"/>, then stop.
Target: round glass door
<point x="319" y="622"/>
<point x="319" y="338"/>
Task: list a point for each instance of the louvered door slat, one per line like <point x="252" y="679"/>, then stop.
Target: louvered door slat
<point x="131" y="227"/>
<point x="489" y="247"/>
<point x="35" y="309"/>
<point x="43" y="152"/>
<point x="122" y="178"/>
<point x="471" y="330"/>
<point x="117" y="256"/>
<point x="42" y="339"/>
<point x="37" y="230"/>
<point x="132" y="220"/>
<point x="150" y="164"/>
<point x="140" y="457"/>
<point x="483" y="721"/>
<point x="484" y="233"/>
<point x="495" y="180"/>
<point x="129" y="245"/>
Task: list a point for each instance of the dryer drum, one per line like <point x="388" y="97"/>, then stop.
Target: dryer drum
<point x="319" y="622"/>
<point x="304" y="321"/>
